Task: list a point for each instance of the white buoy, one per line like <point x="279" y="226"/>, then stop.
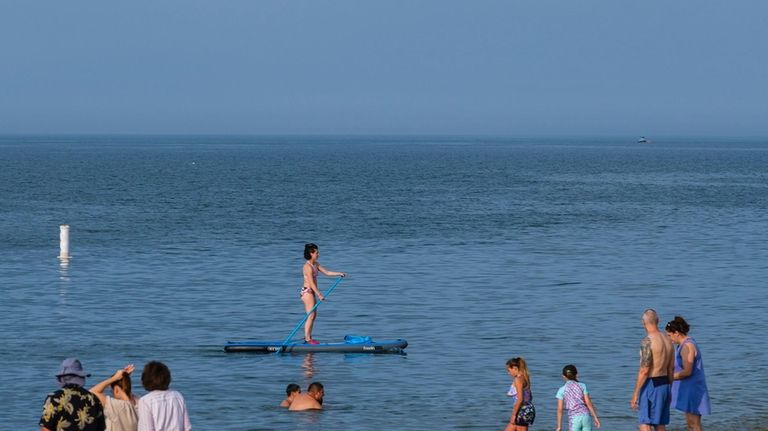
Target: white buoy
<point x="64" y="241"/>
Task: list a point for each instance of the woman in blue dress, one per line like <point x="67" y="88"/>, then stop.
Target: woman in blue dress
<point x="689" y="386"/>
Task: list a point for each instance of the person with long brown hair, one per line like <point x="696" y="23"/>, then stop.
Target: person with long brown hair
<point x="121" y="409"/>
<point x="523" y="411"/>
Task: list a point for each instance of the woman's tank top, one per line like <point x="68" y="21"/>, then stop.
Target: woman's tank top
<point x="512" y="392"/>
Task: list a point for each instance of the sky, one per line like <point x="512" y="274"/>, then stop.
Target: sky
<point x="483" y="67"/>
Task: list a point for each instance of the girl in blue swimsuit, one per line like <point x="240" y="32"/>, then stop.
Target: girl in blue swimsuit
<point x="309" y="293"/>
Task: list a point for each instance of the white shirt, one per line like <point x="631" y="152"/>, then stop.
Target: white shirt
<point x="163" y="411"/>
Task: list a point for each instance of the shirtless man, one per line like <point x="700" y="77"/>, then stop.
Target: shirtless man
<point x="311" y="400"/>
<point x="654" y="377"/>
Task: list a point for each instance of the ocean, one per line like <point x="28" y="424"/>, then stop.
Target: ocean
<point x="474" y="249"/>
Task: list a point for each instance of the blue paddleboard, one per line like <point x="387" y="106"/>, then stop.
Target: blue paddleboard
<point x="350" y="345"/>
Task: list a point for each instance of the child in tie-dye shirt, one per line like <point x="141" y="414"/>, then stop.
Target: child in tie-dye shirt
<point x="573" y="395"/>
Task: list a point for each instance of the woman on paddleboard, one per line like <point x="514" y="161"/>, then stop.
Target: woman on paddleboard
<point x="309" y="293"/>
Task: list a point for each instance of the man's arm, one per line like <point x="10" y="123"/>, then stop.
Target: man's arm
<point x="646" y="361"/>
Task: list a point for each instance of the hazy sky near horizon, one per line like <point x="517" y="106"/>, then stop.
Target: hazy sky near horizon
<point x="387" y="67"/>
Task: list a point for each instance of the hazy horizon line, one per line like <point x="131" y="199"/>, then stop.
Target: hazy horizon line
<point x="391" y="135"/>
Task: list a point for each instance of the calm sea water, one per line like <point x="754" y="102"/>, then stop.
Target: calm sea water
<point x="473" y="249"/>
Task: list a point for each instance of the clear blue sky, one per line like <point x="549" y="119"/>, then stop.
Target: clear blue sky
<point x="385" y="67"/>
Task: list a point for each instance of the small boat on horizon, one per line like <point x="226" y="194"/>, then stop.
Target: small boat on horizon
<point x="642" y="140"/>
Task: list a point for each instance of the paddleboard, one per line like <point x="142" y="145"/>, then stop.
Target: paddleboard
<point x="369" y="346"/>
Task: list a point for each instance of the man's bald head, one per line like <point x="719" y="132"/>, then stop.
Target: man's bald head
<point x="650" y="316"/>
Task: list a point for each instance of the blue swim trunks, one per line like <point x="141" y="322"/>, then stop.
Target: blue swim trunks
<point x="654" y="401"/>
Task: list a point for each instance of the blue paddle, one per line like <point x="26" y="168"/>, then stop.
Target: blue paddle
<point x="325" y="295"/>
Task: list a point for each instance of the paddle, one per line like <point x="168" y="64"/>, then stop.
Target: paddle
<point x="325" y="295"/>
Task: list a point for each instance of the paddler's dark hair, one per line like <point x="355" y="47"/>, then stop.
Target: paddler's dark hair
<point x="308" y="249"/>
